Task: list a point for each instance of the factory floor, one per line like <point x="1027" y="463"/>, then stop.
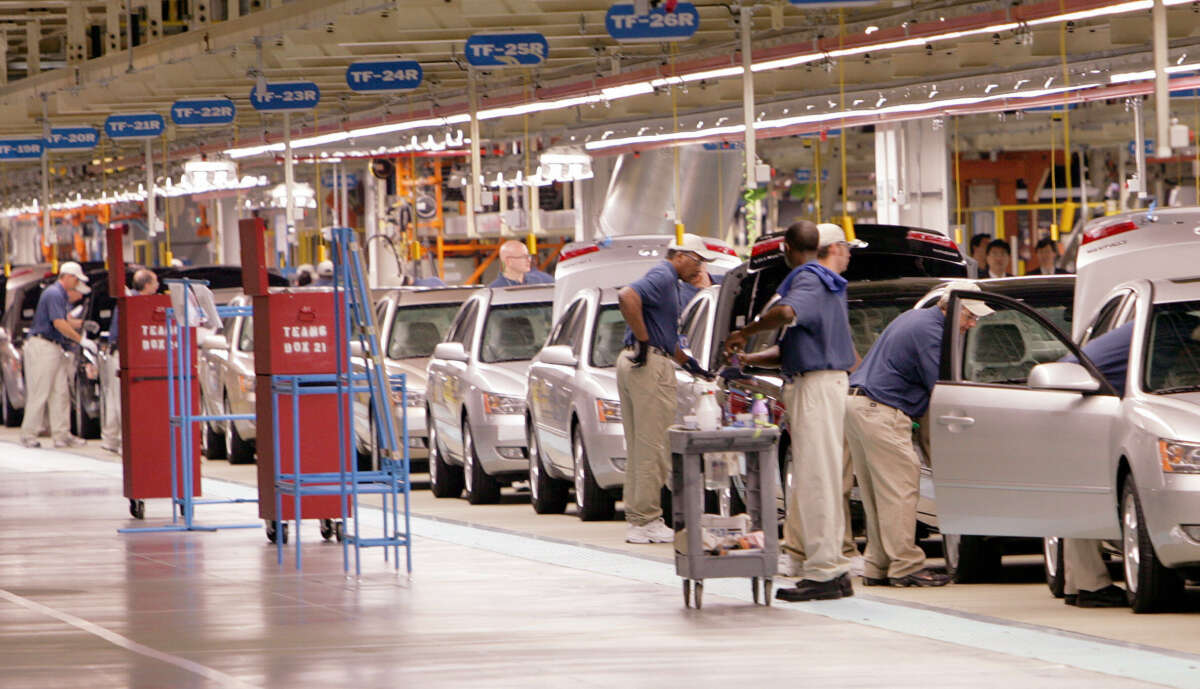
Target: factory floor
<point x="498" y="597"/>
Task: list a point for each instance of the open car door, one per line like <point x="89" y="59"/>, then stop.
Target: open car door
<point x="1011" y="458"/>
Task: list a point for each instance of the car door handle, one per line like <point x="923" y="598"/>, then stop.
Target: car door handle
<point x="956" y="421"/>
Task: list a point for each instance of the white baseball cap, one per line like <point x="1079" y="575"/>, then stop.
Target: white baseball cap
<point x="694" y="244"/>
<point x="978" y="308"/>
<point x="73" y="268"/>
<point x="325" y="269"/>
<point x="832" y="234"/>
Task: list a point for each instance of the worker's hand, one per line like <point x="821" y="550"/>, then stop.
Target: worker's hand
<point x="693" y="367"/>
<point x="732" y="372"/>
<point x="76" y="323"/>
<point x="735" y="342"/>
<point x="89" y="345"/>
<point x="640" y="352"/>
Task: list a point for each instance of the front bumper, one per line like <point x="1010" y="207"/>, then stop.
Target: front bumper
<point x="1167" y="508"/>
<point x="497" y="431"/>
<point x="605" y="445"/>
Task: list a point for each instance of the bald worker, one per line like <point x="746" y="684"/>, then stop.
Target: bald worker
<point x="516" y="267"/>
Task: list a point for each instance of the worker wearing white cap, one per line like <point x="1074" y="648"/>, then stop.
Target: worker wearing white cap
<point x="646" y="383"/>
<point x="46" y="368"/>
<point x="889" y="390"/>
<point x="815" y="353"/>
<point x="324" y="274"/>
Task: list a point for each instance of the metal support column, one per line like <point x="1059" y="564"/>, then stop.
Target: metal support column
<point x="33" y="49"/>
<point x="151" y="210"/>
<point x="474" y="193"/>
<point x="1162" y="95"/>
<point x="289" y="181"/>
<point x="751" y="177"/>
<point x="1139" y="147"/>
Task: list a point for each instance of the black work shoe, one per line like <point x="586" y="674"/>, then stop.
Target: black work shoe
<point x="807" y="589"/>
<point x="1108" y="597"/>
<point x="1071" y="599"/>
<point x="924" y="577"/>
<point x="872" y="581"/>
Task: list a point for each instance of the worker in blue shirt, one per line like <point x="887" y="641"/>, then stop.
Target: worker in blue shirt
<point x="324" y="274"/>
<point x="888" y="391"/>
<point x="46" y="366"/>
<point x="516" y="267"/>
<point x="816" y="352"/>
<point x="646" y="383"/>
<point x="1086" y="582"/>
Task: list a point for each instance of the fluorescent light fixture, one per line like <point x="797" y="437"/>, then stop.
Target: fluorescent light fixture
<point x="871" y="29"/>
<point x="1142" y="75"/>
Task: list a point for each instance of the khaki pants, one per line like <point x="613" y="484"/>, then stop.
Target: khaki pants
<point x="880" y="440"/>
<point x="648" y="403"/>
<point x="46" y="389"/>
<point x="816" y="518"/>
<point x="849" y="549"/>
<point x="110" y="383"/>
<point x="1083" y="568"/>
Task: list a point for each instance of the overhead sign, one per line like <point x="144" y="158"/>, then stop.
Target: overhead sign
<point x="626" y="25"/>
<point x="72" y="139"/>
<point x="20" y="149"/>
<point x="146" y="125"/>
<point x="286" y="96"/>
<point x="507" y="49"/>
<point x="392" y="75"/>
<point x="1148" y="143"/>
<point x="200" y="113"/>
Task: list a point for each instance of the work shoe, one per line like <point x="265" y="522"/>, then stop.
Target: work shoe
<point x="112" y="447"/>
<point x="924" y="577"/>
<point x="807" y="589"/>
<point x="69" y="441"/>
<point x="875" y="581"/>
<point x="1071" y="598"/>
<point x="1108" y="597"/>
<point x="30" y="442"/>
<point x="653" y="532"/>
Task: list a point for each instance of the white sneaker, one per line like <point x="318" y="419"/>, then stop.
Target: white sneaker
<point x="654" y="532"/>
<point x="112" y="447"/>
<point x="30" y="442"/>
<point x="70" y="441"/>
<point x="857" y="566"/>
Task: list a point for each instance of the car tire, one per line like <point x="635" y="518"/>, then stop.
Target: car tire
<point x="1151" y="587"/>
<point x="12" y="415"/>
<point x="481" y="488"/>
<point x="1052" y="559"/>
<point x="214" y="443"/>
<point x="445" y="480"/>
<point x="970" y="559"/>
<point x="594" y="504"/>
<point x="237" y="450"/>
<point x="548" y="495"/>
<point x="86" y="426"/>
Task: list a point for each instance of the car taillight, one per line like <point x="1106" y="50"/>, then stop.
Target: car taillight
<point x="932" y="239"/>
<point x="577" y="252"/>
<point x="720" y="248"/>
<point x="1097" y="233"/>
<point x="767" y="247"/>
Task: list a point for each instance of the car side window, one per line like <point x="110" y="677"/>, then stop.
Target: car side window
<point x="457" y="330"/>
<point x="1004" y="346"/>
<point x="696" y="329"/>
<point x="575" y="329"/>
<point x="1106" y="319"/>
<point x="246" y="336"/>
<point x="380" y="312"/>
<point x="467" y="336"/>
<point x="562" y="329"/>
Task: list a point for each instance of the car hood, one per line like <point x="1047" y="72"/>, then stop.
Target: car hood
<point x="413" y="370"/>
<point x="506" y="378"/>
<point x="1169" y="416"/>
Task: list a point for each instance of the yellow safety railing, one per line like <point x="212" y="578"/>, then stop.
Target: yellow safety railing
<point x="1049" y="216"/>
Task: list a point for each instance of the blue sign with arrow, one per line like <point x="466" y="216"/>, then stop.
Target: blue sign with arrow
<point x="20" y="149"/>
<point x="201" y="113"/>
<point x="625" y="25"/>
<point x="146" y="125"/>
<point x="72" y="139"/>
<point x="507" y="50"/>
<point x="286" y="96"/>
<point x="392" y="75"/>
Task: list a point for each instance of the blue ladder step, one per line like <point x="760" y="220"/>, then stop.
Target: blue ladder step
<point x="375" y="542"/>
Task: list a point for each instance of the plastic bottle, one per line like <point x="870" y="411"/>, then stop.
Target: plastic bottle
<point x="708" y="413"/>
<point x="758" y="411"/>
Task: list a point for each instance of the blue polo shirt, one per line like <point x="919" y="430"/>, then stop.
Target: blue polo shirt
<point x="659" y="290"/>
<point x="687" y="291"/>
<point x="533" y="277"/>
<point x="902" y="366"/>
<point x="819" y="338"/>
<point x="52" y="305"/>
<point x="1110" y="354"/>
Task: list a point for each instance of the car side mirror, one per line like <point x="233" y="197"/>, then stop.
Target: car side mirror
<point x="214" y="342"/>
<point x="558" y="355"/>
<point x="1062" y="375"/>
<point x="451" y="351"/>
<point x="91" y="326"/>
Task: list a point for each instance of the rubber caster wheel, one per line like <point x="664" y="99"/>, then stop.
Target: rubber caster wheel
<point x="326" y="529"/>
<point x="687" y="593"/>
<point x="754" y="589"/>
<point x="273" y="532"/>
<point x="767" y="592"/>
<point x="339" y="531"/>
<point x="698" y="594"/>
<point x="137" y="509"/>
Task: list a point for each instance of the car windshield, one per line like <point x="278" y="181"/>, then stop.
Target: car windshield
<point x="1173" y="348"/>
<point x="867" y="321"/>
<point x="514" y="332"/>
<point x="608" y="338"/>
<point x="416" y="330"/>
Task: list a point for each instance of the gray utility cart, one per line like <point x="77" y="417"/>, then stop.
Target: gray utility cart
<point x="687" y="484"/>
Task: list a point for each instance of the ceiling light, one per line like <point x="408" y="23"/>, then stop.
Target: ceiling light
<point x="871" y="29"/>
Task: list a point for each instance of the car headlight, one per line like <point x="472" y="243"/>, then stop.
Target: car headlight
<point x="246" y="384"/>
<point x="608" y="411"/>
<point x="1179" y="457"/>
<point x="414" y="398"/>
<point x="502" y="404"/>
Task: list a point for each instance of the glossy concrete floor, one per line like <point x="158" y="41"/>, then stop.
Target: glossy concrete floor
<point x="84" y="606"/>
